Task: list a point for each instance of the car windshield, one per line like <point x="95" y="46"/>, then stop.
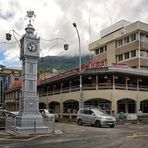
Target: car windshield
<point x="101" y="113"/>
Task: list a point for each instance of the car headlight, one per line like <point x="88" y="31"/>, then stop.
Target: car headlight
<point x="101" y="118"/>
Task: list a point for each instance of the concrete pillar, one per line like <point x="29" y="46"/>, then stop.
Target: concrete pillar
<point x="137" y="102"/>
<point x="96" y="82"/>
<point x="113" y="81"/>
<point x="114" y="102"/>
<point x="126" y="83"/>
<point x="61" y="108"/>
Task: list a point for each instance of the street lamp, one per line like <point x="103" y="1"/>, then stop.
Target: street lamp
<point x="81" y="102"/>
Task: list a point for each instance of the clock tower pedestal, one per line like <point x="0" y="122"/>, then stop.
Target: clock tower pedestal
<point x="29" y="120"/>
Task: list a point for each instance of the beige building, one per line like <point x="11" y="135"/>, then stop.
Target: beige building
<point x="9" y="79"/>
<point x="123" y="42"/>
<point x="12" y="93"/>
<point x="116" y="79"/>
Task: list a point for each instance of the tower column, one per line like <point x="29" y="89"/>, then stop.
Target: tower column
<point x="29" y="120"/>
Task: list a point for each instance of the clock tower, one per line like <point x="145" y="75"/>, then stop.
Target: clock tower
<point x="29" y="120"/>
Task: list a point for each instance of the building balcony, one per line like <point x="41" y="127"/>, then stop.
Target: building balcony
<point x="100" y="86"/>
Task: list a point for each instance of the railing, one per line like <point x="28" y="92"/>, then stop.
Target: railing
<point x="94" y="87"/>
<point x="75" y="88"/>
<point x="105" y="86"/>
<point x="120" y="86"/>
<point x="84" y="67"/>
<point x="11" y="124"/>
<point x="89" y="86"/>
<point x="143" y="88"/>
<point x="131" y="87"/>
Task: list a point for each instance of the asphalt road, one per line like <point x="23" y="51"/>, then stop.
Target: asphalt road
<point x="74" y="136"/>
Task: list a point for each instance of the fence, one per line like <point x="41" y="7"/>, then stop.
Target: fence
<point x="12" y="124"/>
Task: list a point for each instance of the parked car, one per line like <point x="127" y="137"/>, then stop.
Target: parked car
<point x="3" y="115"/>
<point x="2" y="119"/>
<point x="95" y="117"/>
<point x="49" y="113"/>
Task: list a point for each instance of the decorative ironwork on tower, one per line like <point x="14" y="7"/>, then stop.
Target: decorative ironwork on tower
<point x="30" y="15"/>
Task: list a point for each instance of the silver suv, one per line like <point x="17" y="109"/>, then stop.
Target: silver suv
<point x="95" y="117"/>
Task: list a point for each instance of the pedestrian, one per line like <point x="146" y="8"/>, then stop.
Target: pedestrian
<point x="113" y="113"/>
<point x="122" y="116"/>
<point x="139" y="115"/>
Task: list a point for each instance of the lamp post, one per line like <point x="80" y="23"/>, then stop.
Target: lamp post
<point x="81" y="102"/>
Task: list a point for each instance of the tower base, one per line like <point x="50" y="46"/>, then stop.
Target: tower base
<point x="26" y="124"/>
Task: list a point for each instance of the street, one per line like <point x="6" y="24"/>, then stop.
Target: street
<point x="74" y="136"/>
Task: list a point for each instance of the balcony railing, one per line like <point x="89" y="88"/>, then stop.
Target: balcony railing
<point x="105" y="86"/>
<point x="94" y="87"/>
<point x="120" y="86"/>
<point x="89" y="87"/>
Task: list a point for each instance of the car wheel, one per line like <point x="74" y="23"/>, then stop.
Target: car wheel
<point x="98" y="123"/>
<point x="80" y="122"/>
<point x="112" y="126"/>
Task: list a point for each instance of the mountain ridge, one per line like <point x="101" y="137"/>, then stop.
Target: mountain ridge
<point x="60" y="63"/>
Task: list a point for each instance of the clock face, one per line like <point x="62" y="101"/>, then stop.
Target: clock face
<point x="31" y="46"/>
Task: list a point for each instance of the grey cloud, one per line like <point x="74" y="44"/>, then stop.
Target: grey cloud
<point x="9" y="13"/>
<point x="6" y="15"/>
<point x="101" y="12"/>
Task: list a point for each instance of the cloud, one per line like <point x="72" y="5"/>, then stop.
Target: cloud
<point x="54" y="19"/>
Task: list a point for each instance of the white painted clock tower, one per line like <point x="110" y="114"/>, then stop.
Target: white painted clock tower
<point x="29" y="120"/>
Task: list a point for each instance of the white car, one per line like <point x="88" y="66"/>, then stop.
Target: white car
<point x="49" y="113"/>
<point x="95" y="117"/>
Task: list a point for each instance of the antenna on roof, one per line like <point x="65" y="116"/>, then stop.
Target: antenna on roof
<point x="90" y="34"/>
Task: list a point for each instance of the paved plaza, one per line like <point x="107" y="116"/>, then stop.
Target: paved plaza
<point x="74" y="136"/>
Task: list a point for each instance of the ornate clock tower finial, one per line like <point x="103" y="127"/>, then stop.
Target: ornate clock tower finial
<point x="30" y="15"/>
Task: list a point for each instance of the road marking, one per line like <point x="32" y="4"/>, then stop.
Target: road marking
<point x="138" y="134"/>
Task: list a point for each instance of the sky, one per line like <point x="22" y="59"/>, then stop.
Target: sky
<point x="54" y="19"/>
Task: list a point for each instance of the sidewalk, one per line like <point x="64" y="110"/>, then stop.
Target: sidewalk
<point x="5" y="135"/>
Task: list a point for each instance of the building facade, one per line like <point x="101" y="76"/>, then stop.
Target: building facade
<point x="123" y="42"/>
<point x="7" y="78"/>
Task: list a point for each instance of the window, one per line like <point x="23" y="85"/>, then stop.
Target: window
<point x="82" y="111"/>
<point x="120" y="42"/>
<point x="89" y="112"/>
<point x="101" y="49"/>
<point x="120" y="57"/>
<point x="97" y="51"/>
<point x="105" y="48"/>
<point x="126" y="55"/>
<point x="133" y="37"/>
<point x="143" y="53"/>
<point x="126" y="40"/>
<point x="142" y="36"/>
<point x="133" y="53"/>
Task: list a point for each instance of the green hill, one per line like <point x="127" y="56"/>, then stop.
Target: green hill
<point x="60" y="63"/>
